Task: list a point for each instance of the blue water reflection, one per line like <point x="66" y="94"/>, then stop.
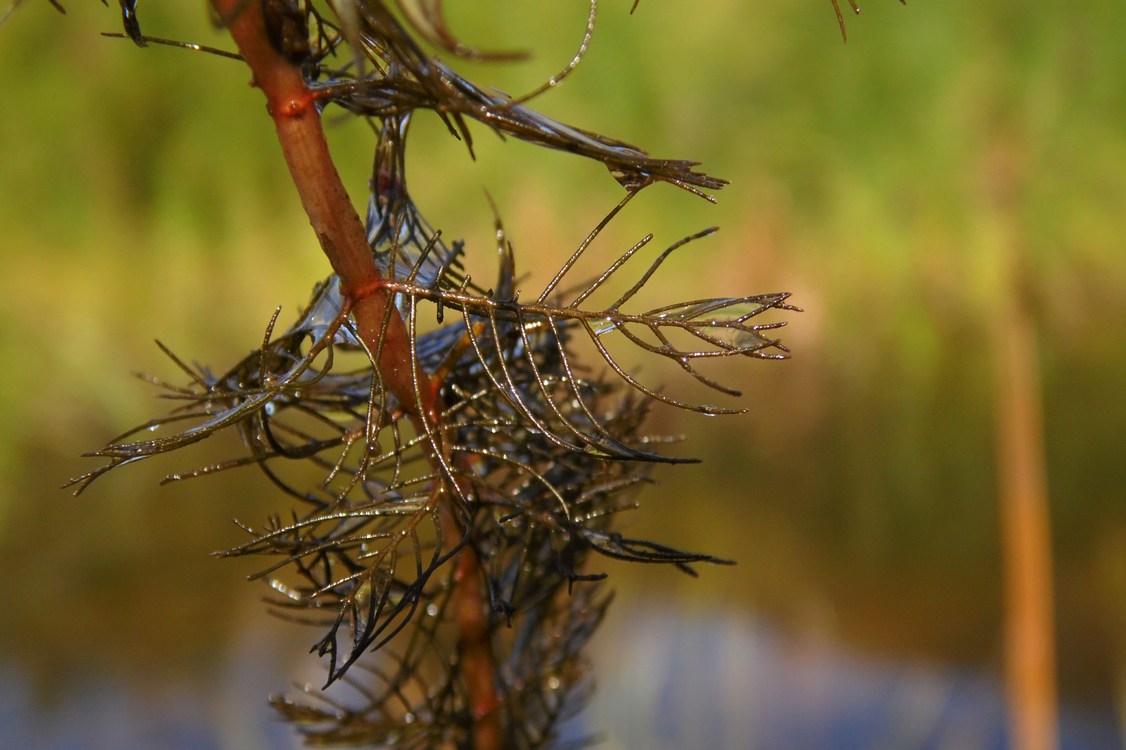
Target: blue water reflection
<point x="729" y="681"/>
<point x="674" y="680"/>
<point x="223" y="710"/>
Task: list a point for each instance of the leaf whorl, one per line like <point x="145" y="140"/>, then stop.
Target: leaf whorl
<point x="536" y="452"/>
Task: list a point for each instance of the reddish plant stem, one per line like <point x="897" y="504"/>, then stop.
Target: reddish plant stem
<point x="341" y="234"/>
<point x="337" y="225"/>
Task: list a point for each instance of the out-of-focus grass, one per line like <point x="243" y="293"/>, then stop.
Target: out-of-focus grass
<point x="143" y="196"/>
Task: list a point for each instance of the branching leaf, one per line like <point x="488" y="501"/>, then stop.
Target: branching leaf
<point x="525" y="455"/>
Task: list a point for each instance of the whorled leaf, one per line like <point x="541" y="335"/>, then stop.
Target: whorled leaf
<point x="368" y="543"/>
<point x="387" y="73"/>
<point x="409" y="694"/>
<point x="527" y="463"/>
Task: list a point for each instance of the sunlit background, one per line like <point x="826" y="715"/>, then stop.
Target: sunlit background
<point x="895" y="185"/>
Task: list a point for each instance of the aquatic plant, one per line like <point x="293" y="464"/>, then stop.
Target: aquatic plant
<point x="451" y="462"/>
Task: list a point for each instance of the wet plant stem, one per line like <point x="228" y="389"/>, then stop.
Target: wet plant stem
<point x="292" y="106"/>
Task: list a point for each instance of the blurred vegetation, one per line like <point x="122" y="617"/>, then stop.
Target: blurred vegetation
<point x="143" y="196"/>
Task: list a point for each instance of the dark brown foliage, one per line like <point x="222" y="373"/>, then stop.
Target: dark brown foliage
<point x="531" y="453"/>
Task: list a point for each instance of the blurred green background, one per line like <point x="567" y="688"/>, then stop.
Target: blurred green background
<point x="143" y="195"/>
